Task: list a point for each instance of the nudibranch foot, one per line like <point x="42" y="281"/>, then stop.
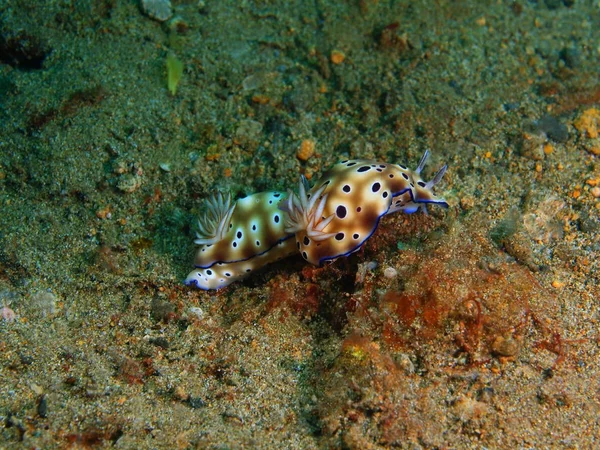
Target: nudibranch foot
<point x="222" y="274"/>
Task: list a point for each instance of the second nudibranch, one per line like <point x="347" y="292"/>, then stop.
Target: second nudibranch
<point x="237" y="238"/>
<point x="344" y="207"/>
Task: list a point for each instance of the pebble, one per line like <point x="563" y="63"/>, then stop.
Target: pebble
<point x="306" y="150"/>
<point x="160" y="10"/>
<point x="194" y="310"/>
<point x="43" y="303"/>
<point x="129" y="183"/>
<point x="390" y="273"/>
<point x="552" y="127"/>
<point x="7" y="314"/>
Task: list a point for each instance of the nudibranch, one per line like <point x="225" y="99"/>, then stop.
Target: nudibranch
<point x="334" y="218"/>
<point x="344" y="207"/>
<point x="237" y="238"/>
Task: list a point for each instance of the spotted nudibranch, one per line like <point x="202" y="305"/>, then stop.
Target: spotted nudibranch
<point x="334" y="218"/>
<point x="344" y="207"/>
<point x="237" y="238"/>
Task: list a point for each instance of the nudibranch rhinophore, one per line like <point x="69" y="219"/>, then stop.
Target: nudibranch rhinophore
<point x="334" y="218"/>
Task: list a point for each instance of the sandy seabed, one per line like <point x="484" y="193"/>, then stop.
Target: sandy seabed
<point x="474" y="326"/>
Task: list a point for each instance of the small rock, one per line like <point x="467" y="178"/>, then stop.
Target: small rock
<point x="159" y="10"/>
<point x="42" y="406"/>
<point x="505" y="346"/>
<point x="390" y="272"/>
<point x="552" y="128"/>
<point x="198" y="312"/>
<point x="161" y="342"/>
<point x="43" y="304"/>
<point x="196" y="402"/>
<point x="129" y="183"/>
<point x="7" y="314"/>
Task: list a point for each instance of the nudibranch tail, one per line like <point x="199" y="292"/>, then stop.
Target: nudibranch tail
<point x="213" y="225"/>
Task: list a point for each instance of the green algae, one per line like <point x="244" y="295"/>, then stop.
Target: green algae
<point x="174" y="73"/>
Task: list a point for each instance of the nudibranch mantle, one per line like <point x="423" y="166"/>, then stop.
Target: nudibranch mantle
<point x="345" y="205"/>
<point x="334" y="218"/>
<point x="236" y="239"/>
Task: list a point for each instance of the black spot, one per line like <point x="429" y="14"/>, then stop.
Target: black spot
<point x="376" y="187"/>
<point x="379" y="170"/>
<point x="230" y="225"/>
<point x="276" y="194"/>
<point x="270" y="202"/>
<point x="239" y="234"/>
<point x="258" y="243"/>
<point x="304" y="255"/>
<point x="253" y="227"/>
<point x="385" y="194"/>
<point x="402" y="167"/>
<point x="341" y="211"/>
<point x="391" y="175"/>
<point x="355" y="235"/>
<point x="339" y="236"/>
<point x="404" y="176"/>
<point x="344" y="161"/>
<point x="235" y="244"/>
<point x="326" y="183"/>
<point x="421" y="183"/>
<point x="248" y="270"/>
<point x="359" y="209"/>
<point x="382" y="166"/>
<point x="350" y="164"/>
<point x="227" y="274"/>
<point x="363" y="169"/>
<point x="276" y="218"/>
<point x="306" y="240"/>
<point x="346" y="188"/>
<point x="209" y="272"/>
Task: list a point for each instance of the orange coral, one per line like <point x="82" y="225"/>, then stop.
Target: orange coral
<point x="306" y="150"/>
<point x="589" y="122"/>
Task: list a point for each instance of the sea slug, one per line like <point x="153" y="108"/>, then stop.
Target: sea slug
<point x="334" y="218"/>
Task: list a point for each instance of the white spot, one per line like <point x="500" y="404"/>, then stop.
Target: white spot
<point x="390" y="273"/>
<point x="195" y="311"/>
